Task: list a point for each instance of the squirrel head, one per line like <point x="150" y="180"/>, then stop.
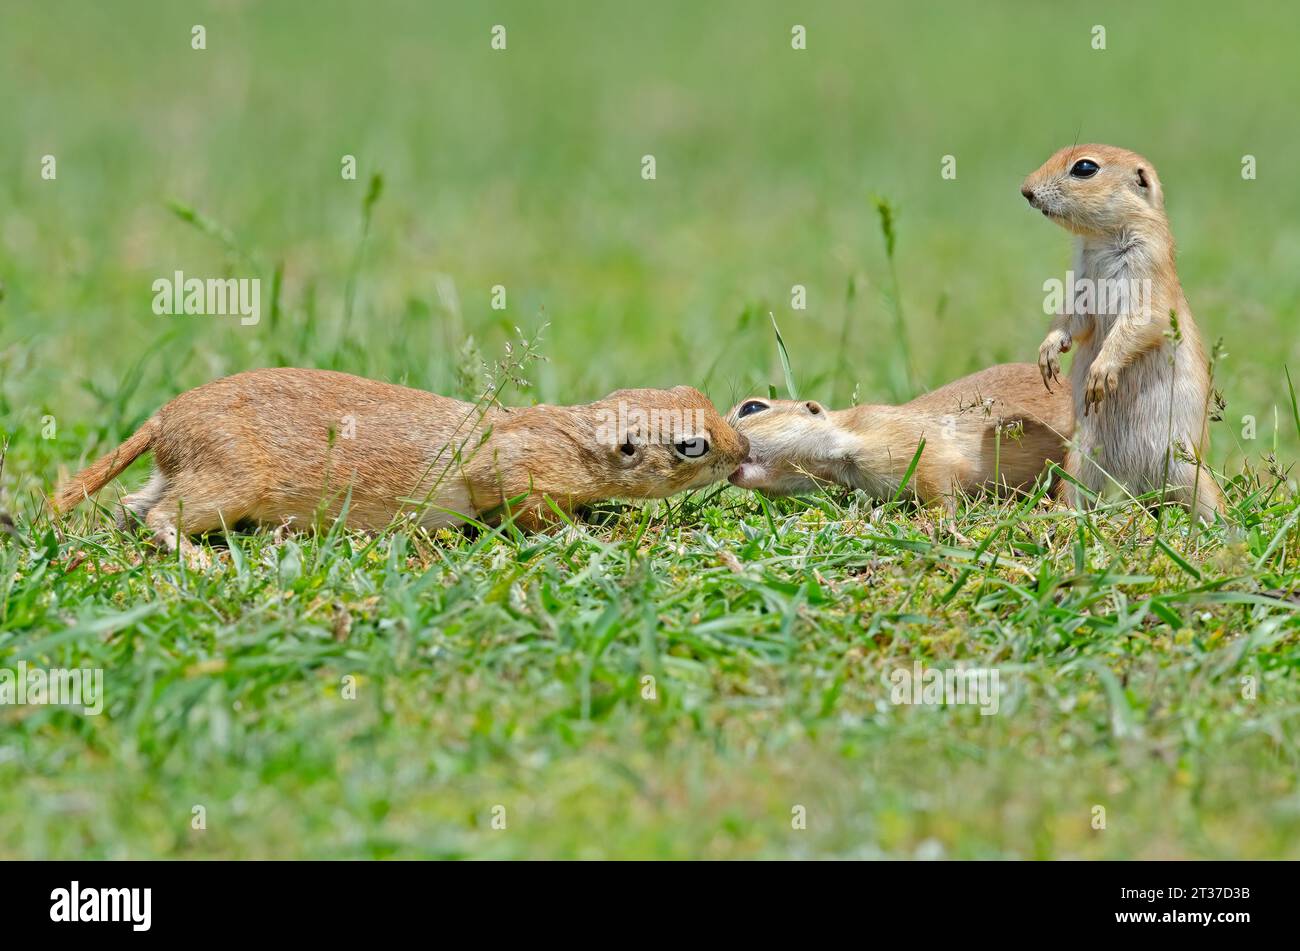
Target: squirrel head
<point x="655" y="443"/>
<point x="793" y="445"/>
<point x="1098" y="191"/>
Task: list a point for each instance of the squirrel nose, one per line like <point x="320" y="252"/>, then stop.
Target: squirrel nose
<point x="1027" y="192"/>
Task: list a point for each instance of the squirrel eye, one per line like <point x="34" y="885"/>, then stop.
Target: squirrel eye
<point x="1084" y="168"/>
<point x="628" y="448"/>
<point x="692" y="448"/>
<point x="750" y="408"/>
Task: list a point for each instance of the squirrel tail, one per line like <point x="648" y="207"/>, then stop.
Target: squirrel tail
<point x="98" y="474"/>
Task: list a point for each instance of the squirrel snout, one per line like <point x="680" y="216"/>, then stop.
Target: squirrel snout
<point x="1028" y="193"/>
<point x="744" y="446"/>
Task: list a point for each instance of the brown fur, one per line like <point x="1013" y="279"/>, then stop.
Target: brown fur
<point x="1141" y="397"/>
<point x="794" y="445"/>
<point x="272" y="446"/>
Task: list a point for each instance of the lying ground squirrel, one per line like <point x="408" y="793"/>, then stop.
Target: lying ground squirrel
<point x="1141" y="387"/>
<point x="278" y="446"/>
<point x="993" y="429"/>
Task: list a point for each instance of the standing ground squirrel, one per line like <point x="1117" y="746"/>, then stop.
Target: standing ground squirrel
<point x="283" y="445"/>
<point x="993" y="429"/>
<point x="1141" y="388"/>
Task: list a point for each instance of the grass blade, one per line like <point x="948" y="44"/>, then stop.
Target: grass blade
<point x="911" y="469"/>
<point x="785" y="359"/>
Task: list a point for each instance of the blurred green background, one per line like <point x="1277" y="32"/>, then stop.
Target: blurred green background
<point x="522" y="168"/>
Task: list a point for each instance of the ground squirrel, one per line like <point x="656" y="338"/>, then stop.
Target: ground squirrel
<point x="1141" y="392"/>
<point x="285" y="445"/>
<point x="995" y="428"/>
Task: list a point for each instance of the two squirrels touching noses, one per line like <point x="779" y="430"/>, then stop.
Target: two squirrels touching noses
<point x="261" y="448"/>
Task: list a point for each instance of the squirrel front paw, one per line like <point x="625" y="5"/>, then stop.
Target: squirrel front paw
<point x="1103" y="380"/>
<point x="1049" y="356"/>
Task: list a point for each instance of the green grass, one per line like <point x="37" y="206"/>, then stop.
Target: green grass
<point x="509" y="671"/>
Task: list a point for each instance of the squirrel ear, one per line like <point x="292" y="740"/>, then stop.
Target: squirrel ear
<point x="626" y="454"/>
<point x="1150" y="185"/>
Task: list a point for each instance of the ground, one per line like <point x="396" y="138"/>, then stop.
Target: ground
<point x="708" y="676"/>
